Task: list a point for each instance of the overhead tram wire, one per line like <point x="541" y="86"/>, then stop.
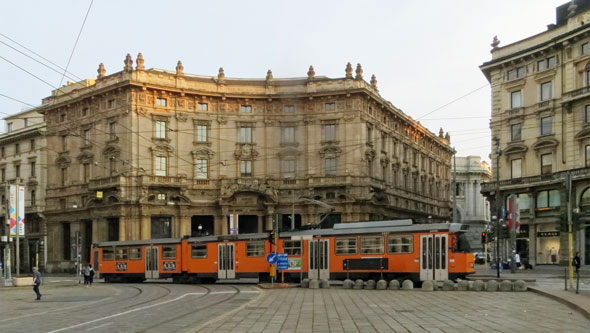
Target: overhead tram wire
<point x="16" y="100"/>
<point x="26" y="71"/>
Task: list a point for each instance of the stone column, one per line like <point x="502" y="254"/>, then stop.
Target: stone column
<point x="261" y="223"/>
<point x="269" y="220"/>
<point x="221" y="225"/>
<point x="145" y="227"/>
<point x="123" y="228"/>
<point x="532" y="244"/>
<point x="185" y="226"/>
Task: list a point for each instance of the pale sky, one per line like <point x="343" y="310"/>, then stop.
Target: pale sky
<point x="425" y="54"/>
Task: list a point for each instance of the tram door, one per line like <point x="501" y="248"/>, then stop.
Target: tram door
<point x="95" y="262"/>
<point x="319" y="259"/>
<point x="434" y="257"/>
<point x="226" y="268"/>
<point x="152" y="262"/>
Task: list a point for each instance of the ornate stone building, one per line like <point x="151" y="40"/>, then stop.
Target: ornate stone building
<point x="150" y="153"/>
<point x="541" y="130"/>
<point x="23" y="161"/>
<point x="472" y="207"/>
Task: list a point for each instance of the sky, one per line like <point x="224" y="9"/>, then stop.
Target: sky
<point x="425" y="54"/>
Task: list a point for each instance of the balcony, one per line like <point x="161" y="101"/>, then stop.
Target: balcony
<point x="106" y="182"/>
<point x="576" y="94"/>
<point x="171" y="181"/>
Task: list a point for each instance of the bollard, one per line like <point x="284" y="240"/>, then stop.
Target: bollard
<point x="519" y="285"/>
<point x="347" y="284"/>
<point x="428" y="285"/>
<point x="305" y="283"/>
<point x="393" y="285"/>
<point x="565" y="277"/>
<point x="478" y="285"/>
<point x="506" y="285"/>
<point x="314" y="284"/>
<point x="370" y="284"/>
<point x="407" y="285"/>
<point x="492" y="285"/>
<point x="358" y="284"/>
<point x="577" y="281"/>
<point x="448" y="285"/>
<point x="381" y="285"/>
<point x="324" y="284"/>
<point x="463" y="285"/>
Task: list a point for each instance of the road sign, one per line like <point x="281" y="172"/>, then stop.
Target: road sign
<point x="283" y="261"/>
<point x="271" y="258"/>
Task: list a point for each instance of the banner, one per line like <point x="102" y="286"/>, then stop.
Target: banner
<point x="233" y="224"/>
<point x="21" y="210"/>
<point x="513" y="214"/>
<point x="12" y="208"/>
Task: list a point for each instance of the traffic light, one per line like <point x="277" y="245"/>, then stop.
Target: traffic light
<point x="271" y="236"/>
<point x="483" y="237"/>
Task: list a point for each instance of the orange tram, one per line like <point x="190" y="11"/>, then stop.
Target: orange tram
<point x="396" y="249"/>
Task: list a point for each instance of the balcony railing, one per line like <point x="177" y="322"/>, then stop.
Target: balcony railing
<point x="576" y="94"/>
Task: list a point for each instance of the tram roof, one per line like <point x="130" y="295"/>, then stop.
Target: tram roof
<point x="378" y="227"/>
<point x="141" y="242"/>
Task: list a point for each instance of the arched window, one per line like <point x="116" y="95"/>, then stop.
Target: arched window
<point x="585" y="201"/>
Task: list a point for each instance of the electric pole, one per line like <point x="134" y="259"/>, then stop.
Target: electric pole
<point x="498" y="205"/>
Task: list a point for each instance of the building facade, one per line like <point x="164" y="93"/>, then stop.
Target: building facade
<point x="472" y="207"/>
<point x="149" y="153"/>
<point x="23" y="161"/>
<point x="541" y="135"/>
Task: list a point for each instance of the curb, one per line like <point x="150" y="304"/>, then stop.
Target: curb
<point x="564" y="301"/>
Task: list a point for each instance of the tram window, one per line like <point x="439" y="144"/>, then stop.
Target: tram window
<point x="135" y="253"/>
<point x="255" y="249"/>
<point x="346" y="245"/>
<point x="400" y="244"/>
<point x="168" y="252"/>
<point x="292" y="247"/>
<point x="462" y="243"/>
<point x="108" y="254"/>
<point x="372" y="244"/>
<point x="121" y="253"/>
<point x="443" y="261"/>
<point x="199" y="251"/>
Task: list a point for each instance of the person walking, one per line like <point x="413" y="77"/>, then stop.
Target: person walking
<point x="86" y="273"/>
<point x="576" y="262"/>
<point x="36" y="282"/>
<point x="90" y="275"/>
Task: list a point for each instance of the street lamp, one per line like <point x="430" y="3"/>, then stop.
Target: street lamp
<point x="200" y="227"/>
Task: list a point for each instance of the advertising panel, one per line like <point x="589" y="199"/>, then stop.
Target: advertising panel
<point x="12" y="208"/>
<point x="21" y="210"/>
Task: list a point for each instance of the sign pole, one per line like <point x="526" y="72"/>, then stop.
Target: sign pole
<point x="7" y="264"/>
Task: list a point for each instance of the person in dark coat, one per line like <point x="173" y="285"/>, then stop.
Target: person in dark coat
<point x="90" y="275"/>
<point x="36" y="282"/>
<point x="576" y="262"/>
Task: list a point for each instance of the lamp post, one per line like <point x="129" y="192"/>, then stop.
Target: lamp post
<point x="200" y="227"/>
<point x="498" y="204"/>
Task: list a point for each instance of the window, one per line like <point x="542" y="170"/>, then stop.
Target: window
<point x="586" y="48"/>
<point x="546" y="89"/>
<point x="546" y="125"/>
<point x="86" y="172"/>
<point x="112" y="130"/>
<point x="346" y="245"/>
<point x="135" y="253"/>
<point x="255" y="249"/>
<point x="202" y="169"/>
<point x="400" y="244"/>
<point x="587" y="156"/>
<point x="160" y="129"/>
<point x="516" y="73"/>
<point x="515" y="99"/>
<point x="33" y="198"/>
<point x="516" y="132"/>
<point x="202" y="133"/>
<point x="330" y="166"/>
<point x="288" y="135"/>
<point x="32" y="144"/>
<point x="289" y="108"/>
<point x="246" y="168"/>
<point x="111" y="103"/>
<point x="3" y="174"/>
<point x="17" y="171"/>
<point x="86" y="137"/>
<point x="161" y="196"/>
<point x="246" y="108"/>
<point x="33" y="166"/>
<point x="64" y="176"/>
<point x="369" y="134"/>
<point x="161" y="101"/>
<point x="84" y="112"/>
<point x="292" y="247"/>
<point x="587" y="114"/>
<point x="288" y="168"/>
<point x="26" y="122"/>
<point x="199" y="250"/>
<point x="108" y="254"/>
<point x="203" y="107"/>
<point x="460" y="189"/>
<point x="169" y="252"/>
<point x="372" y="244"/>
<point x="121" y="253"/>
<point x="330" y="132"/>
<point x="2" y="152"/>
<point x="17" y="148"/>
<point x="516" y="168"/>
<point x="548" y="199"/>
<point x="160" y="165"/>
<point x="62" y="118"/>
<point x="546" y="164"/>
<point x="112" y="166"/>
<point x="330" y="106"/>
<point x="245" y="135"/>
<point x="9" y="127"/>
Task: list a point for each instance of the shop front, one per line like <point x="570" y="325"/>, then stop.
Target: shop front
<point x="548" y="244"/>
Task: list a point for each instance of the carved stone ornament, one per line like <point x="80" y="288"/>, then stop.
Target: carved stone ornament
<point x="179" y="68"/>
<point x="181" y="116"/>
<point x="348" y="71"/>
<point x="310" y="73"/>
<point x="245" y="151"/>
<point x="222" y="119"/>
<point x="101" y="71"/>
<point x="374" y="81"/>
<point x="330" y="151"/>
<point x="269" y="77"/>
<point x="128" y="63"/>
<point x="269" y="121"/>
<point x="85" y="156"/>
<point x="359" y="72"/>
<point x="63" y="161"/>
<point x="349" y="117"/>
<point x="139" y="62"/>
<point x="495" y="43"/>
<point x="221" y="76"/>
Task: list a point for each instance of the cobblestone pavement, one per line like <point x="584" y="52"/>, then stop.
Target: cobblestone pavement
<point x="147" y="307"/>
<point x="340" y="310"/>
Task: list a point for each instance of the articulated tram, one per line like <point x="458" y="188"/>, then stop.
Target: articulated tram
<point x="369" y="250"/>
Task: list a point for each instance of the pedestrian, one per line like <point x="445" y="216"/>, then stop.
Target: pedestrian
<point x="90" y="275"/>
<point x="86" y="272"/>
<point x="576" y="262"/>
<point x="36" y="282"/>
<point x="517" y="259"/>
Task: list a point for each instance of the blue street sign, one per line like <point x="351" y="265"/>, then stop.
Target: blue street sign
<point x="283" y="261"/>
<point x="271" y="258"/>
